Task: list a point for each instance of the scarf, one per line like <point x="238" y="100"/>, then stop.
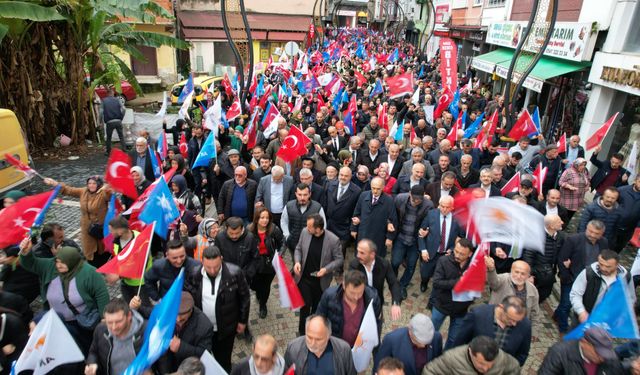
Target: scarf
<point x="73" y="260"/>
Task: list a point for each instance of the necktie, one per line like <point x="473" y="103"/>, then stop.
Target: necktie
<point x="354" y="156"/>
<point x="335" y="143"/>
<point x="340" y="192"/>
<point x="443" y="235"/>
<point x="374" y="200"/>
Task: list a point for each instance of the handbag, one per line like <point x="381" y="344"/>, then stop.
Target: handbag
<point x="87" y="319"/>
<point x="96" y="231"/>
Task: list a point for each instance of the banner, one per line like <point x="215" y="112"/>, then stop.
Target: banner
<point x="449" y="63"/>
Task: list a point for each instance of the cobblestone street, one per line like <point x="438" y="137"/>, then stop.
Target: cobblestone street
<point x="280" y="322"/>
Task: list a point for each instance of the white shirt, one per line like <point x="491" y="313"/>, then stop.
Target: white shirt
<point x="444" y="193"/>
<point x="487" y="190"/>
<point x="552" y="211"/>
<point x="370" y="273"/>
<point x="391" y="163"/>
<point x="209" y="297"/>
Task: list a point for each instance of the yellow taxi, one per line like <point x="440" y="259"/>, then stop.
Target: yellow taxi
<point x="14" y="143"/>
<point x="200" y="86"/>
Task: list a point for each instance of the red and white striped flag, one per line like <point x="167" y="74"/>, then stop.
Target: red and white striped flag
<point x="471" y="283"/>
<point x="290" y="296"/>
<point x="538" y="176"/>
<point x="27" y="170"/>
<point x="512" y="185"/>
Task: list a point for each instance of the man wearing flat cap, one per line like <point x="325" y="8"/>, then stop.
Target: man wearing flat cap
<point x="414" y="345"/>
<point x="552" y="162"/>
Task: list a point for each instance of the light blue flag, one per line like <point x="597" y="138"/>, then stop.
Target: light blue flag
<point x="377" y="89"/>
<point x="337" y="101"/>
<point x="614" y="314"/>
<point x="399" y="133"/>
<point x="536" y="121"/>
<point x="160" y="208"/>
<point x="111" y="213"/>
<point x="473" y="129"/>
<point x="186" y="90"/>
<point x="157" y="172"/>
<point x="207" y="152"/>
<point x="160" y="328"/>
<point x="453" y="107"/>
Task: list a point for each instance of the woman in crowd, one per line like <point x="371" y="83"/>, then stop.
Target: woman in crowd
<point x="140" y="182"/>
<point x="383" y="172"/>
<point x="181" y="169"/>
<point x="574" y="184"/>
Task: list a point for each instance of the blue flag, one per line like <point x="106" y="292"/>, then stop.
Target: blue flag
<point x="399" y="132"/>
<point x="186" y="90"/>
<point x="614" y="314"/>
<point x="301" y="88"/>
<point x="157" y="172"/>
<point x="377" y="89"/>
<point x="421" y="71"/>
<point x="394" y="56"/>
<point x="207" y="152"/>
<point x="260" y="88"/>
<point x="325" y="57"/>
<point x="224" y="120"/>
<point x="337" y="101"/>
<point x="111" y="213"/>
<point x="473" y="129"/>
<point x="453" y="107"/>
<point x="160" y="328"/>
<point x="536" y="121"/>
<point x="160" y="208"/>
<point x="348" y="121"/>
<point x="42" y="214"/>
<point x="360" y="52"/>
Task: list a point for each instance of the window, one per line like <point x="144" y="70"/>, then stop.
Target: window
<point x="495" y="3"/>
<point x="477" y="3"/>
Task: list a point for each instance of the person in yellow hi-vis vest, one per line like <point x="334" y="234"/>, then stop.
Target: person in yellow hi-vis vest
<point x="122" y="236"/>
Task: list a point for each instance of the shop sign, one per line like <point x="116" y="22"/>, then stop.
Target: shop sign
<point x="441" y="12"/>
<point x="482" y="65"/>
<point x="570" y="40"/>
<point x="626" y="77"/>
<point x="530" y="82"/>
<point x="617" y="71"/>
<point x="478" y="36"/>
<point x="456" y="34"/>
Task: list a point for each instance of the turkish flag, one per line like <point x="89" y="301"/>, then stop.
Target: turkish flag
<point x="226" y="83"/>
<point x="320" y="104"/>
<point x="294" y="145"/>
<point x="130" y="262"/>
<point x="265" y="97"/>
<point x="512" y="185"/>
<point x="19" y="165"/>
<point x="235" y="110"/>
<point x="493" y="125"/>
<point x="252" y="131"/>
<point x="523" y="126"/>
<point x="184" y="148"/>
<point x="562" y="143"/>
<point x="360" y="78"/>
<point x="538" y="176"/>
<point x="599" y="135"/>
<point x="400" y="85"/>
<point x="16" y="220"/>
<point x="290" y="296"/>
<point x="383" y="120"/>
<point x="471" y="283"/>
<point x="118" y="174"/>
<point x="443" y="103"/>
<point x="271" y="113"/>
<point x="453" y="133"/>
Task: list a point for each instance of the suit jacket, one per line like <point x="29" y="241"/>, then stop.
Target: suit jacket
<point x="403" y="185"/>
<point x="493" y="192"/>
<point x="263" y="194"/>
<point x="562" y="212"/>
<point x="328" y="144"/>
<point x="381" y="272"/>
<point x="429" y="173"/>
<point x="297" y="353"/>
<point x="431" y="242"/>
<point x="433" y="190"/>
<point x="365" y="159"/>
<point x="397" y="166"/>
<point x="397" y="344"/>
<point x="574" y="249"/>
<point x="331" y="258"/>
<point x="148" y="167"/>
<point x="374" y="219"/>
<point x="339" y="212"/>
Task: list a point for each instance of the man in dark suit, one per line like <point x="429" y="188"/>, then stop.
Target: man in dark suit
<point x="341" y="198"/>
<point x="394" y="159"/>
<point x="552" y="206"/>
<point x="508" y="317"/>
<point x="434" y="240"/>
<point x="307" y="177"/>
<point x="264" y="358"/>
<point x="378" y="270"/>
<point x="375" y="217"/>
<point x="141" y="157"/>
<point x="373" y="157"/>
<point x="334" y="142"/>
<point x="466" y="149"/>
<point x="490" y="190"/>
<point x="404" y="183"/>
<point x="317" y="255"/>
<point x="578" y="251"/>
<point x="274" y="191"/>
<point x="446" y="185"/>
<point x="415" y="345"/>
<point x="444" y="148"/>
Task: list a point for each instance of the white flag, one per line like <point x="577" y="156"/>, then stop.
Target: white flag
<point x="325" y="79"/>
<point x="415" y="99"/>
<point x="367" y="340"/>
<point x="163" y="110"/>
<point x="428" y="114"/>
<point x="273" y="126"/>
<point x="211" y="366"/>
<point x="502" y="220"/>
<point x="213" y="115"/>
<point x="184" y="110"/>
<point x="49" y="346"/>
<point x="630" y="165"/>
<point x="393" y="130"/>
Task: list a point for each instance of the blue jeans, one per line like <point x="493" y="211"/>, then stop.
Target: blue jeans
<point x="407" y="253"/>
<point x="564" y="308"/>
<point x="438" y="318"/>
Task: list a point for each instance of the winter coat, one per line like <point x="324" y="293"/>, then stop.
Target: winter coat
<point x="330" y="306"/>
<point x="564" y="358"/>
<point x="297" y="353"/>
<point x="610" y="218"/>
<point x="456" y="361"/>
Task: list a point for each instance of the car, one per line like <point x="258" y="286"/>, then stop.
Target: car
<point x="200" y="87"/>
<point x="14" y="143"/>
<point x="127" y="92"/>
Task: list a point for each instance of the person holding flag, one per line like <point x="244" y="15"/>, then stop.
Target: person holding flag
<point x="525" y="149"/>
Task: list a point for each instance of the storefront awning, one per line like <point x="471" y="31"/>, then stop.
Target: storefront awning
<point x="488" y="61"/>
<point x="547" y="67"/>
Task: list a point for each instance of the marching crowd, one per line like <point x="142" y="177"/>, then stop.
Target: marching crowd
<point x="373" y="195"/>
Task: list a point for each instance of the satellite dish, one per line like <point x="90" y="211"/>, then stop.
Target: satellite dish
<point x="291" y="48"/>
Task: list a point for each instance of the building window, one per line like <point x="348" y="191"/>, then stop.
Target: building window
<point x="495" y="3"/>
<point x="477" y="3"/>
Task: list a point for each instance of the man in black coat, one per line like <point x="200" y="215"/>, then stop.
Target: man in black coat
<point x="373" y="157"/>
<point x="340" y="199"/>
<point x="486" y="184"/>
<point x="404" y="183"/>
<point x="264" y="359"/>
<point x="551" y="205"/>
<point x="508" y="318"/>
<point x="578" y="251"/>
<point x="239" y="246"/>
<point x="221" y="291"/>
<point x="447" y="184"/>
<point x="609" y="173"/>
<point x="141" y="157"/>
<point x="334" y="142"/>
<point x="378" y="270"/>
<point x="159" y="278"/>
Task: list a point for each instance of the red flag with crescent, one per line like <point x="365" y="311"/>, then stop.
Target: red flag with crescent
<point x="184" y="147"/>
<point x="118" y="174"/>
<point x="17" y="219"/>
<point x="443" y="103"/>
<point x="599" y="135"/>
<point x="400" y="85"/>
<point x="235" y="109"/>
<point x="294" y="145"/>
<point x="130" y="262"/>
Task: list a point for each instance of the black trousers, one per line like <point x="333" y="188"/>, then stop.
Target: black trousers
<point x="262" y="285"/>
<point x="311" y="292"/>
<point x="222" y="350"/>
<point x="117" y="126"/>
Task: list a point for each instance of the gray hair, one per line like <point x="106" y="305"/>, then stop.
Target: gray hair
<point x="417" y="151"/>
<point x="323" y="319"/>
<point x="277" y="171"/>
<point x="596" y="224"/>
<point x="305" y="172"/>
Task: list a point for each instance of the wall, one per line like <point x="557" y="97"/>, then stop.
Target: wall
<point x="600" y="11"/>
<point x="496" y="14"/>
<point x="469" y="15"/>
<point x="303" y="7"/>
<point x="568" y="10"/>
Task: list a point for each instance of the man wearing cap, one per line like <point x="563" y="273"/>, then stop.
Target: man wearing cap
<point x="192" y="336"/>
<point x="237" y="196"/>
<point x="414" y="345"/>
<point x="525" y="190"/>
<point x="592" y="354"/>
<point x="411" y="208"/>
<point x="552" y="162"/>
<point x="506" y="322"/>
<point x="526" y="150"/>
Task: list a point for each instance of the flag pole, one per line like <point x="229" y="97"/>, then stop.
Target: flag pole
<point x="146" y="259"/>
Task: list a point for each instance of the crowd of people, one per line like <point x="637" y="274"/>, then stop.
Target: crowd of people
<point x="361" y="209"/>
